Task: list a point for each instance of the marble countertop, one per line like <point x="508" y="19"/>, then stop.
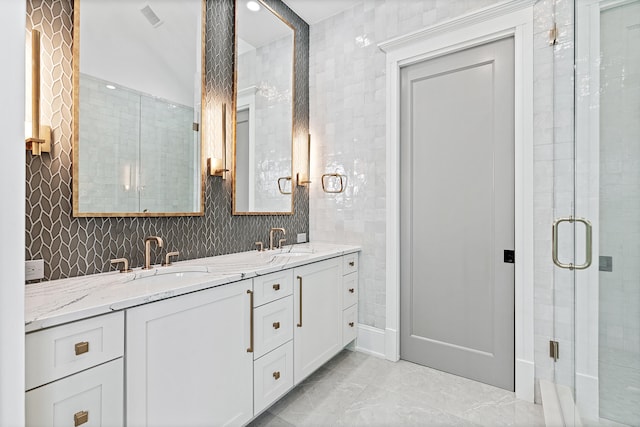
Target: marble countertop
<point x="66" y="300"/>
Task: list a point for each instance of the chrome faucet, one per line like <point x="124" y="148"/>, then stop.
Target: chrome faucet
<point x="273" y="230"/>
<point x="147" y="249"/>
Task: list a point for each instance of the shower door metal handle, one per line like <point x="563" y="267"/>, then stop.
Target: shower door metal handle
<point x="588" y="245"/>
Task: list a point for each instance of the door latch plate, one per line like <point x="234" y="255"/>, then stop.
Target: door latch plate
<point x="509" y="256"/>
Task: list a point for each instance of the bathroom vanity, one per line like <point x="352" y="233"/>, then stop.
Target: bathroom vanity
<point x="212" y="341"/>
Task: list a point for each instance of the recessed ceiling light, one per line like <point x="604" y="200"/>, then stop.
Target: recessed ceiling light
<point x="253" y="6"/>
<point x="111" y="87"/>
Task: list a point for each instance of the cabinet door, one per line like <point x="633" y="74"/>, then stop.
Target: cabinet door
<point x="187" y="360"/>
<point x="317" y="314"/>
<point x="90" y="398"/>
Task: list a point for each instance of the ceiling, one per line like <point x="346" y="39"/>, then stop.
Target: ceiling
<point x="314" y="11"/>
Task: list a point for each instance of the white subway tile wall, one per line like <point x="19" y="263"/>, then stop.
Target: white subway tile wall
<point x="347" y="125"/>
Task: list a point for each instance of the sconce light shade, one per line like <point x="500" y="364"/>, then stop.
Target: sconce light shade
<point x="40" y="140"/>
<point x="302" y="179"/>
<point x="217" y="166"/>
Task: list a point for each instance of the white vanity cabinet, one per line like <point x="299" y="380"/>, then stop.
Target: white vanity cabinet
<point x="317" y="315"/>
<point x="74" y="373"/>
<point x="212" y="356"/>
<point x="187" y="359"/>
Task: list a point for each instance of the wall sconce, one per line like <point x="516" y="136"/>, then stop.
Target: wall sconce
<point x="304" y="180"/>
<point x="217" y="166"/>
<point x="40" y="140"/>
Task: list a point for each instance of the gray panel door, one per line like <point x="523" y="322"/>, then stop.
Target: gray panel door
<point x="457" y="213"/>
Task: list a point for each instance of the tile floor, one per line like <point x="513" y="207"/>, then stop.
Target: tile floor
<point x="355" y="389"/>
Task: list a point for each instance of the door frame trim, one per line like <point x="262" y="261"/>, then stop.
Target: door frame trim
<point x="509" y="19"/>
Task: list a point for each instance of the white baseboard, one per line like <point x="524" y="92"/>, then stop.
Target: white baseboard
<point x="525" y="380"/>
<point x="587" y="396"/>
<point x="391" y="343"/>
<point x="370" y="341"/>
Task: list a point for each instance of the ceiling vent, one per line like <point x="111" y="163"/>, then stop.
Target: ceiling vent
<point x="151" y="16"/>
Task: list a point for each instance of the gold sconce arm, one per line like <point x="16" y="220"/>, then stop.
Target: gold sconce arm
<point x="40" y="140"/>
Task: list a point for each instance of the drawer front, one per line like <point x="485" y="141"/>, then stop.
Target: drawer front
<point x="349" y="290"/>
<point x="272" y="376"/>
<point x="272" y="286"/>
<point x="350" y="263"/>
<point x="349" y="324"/>
<point x="64" y="350"/>
<point x="273" y="325"/>
<point x="90" y="398"/>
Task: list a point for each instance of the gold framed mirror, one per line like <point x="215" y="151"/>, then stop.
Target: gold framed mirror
<point x="138" y="85"/>
<point x="263" y="111"/>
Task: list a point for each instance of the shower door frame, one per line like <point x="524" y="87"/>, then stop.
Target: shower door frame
<point x="509" y="19"/>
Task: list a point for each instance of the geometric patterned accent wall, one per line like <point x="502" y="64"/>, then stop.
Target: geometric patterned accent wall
<point x="79" y="246"/>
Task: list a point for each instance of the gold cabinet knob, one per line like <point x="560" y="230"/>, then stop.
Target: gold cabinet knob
<point x="82" y="347"/>
<point x="80" y="418"/>
<point x="351" y="290"/>
<point x="352" y="263"/>
<point x="276" y="325"/>
<point x="276" y="375"/>
<point x="276" y="287"/>
<point x="351" y="324"/>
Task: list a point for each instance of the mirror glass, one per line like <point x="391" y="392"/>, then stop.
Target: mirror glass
<point x="263" y="111"/>
<point x="138" y="77"/>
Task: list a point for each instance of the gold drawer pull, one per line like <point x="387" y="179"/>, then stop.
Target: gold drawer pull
<point x="352" y="263"/>
<point x="351" y="290"/>
<point x="80" y="418"/>
<point x="276" y="325"/>
<point x="299" y="325"/>
<point x="276" y="287"/>
<point x="351" y="324"/>
<point x="276" y="375"/>
<point x="82" y="347"/>
<point x="250" y="349"/>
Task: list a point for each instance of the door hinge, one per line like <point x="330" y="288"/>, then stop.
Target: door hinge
<point x="554" y="350"/>
<point x="553" y="35"/>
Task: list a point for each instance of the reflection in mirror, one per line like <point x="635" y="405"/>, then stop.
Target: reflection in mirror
<point x="137" y="108"/>
<point x="264" y="111"/>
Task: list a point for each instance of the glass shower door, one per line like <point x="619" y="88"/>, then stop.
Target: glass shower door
<point x="607" y="162"/>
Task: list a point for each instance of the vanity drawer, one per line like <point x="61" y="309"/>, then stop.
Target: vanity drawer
<point x="349" y="324"/>
<point x="349" y="290"/>
<point x="63" y="350"/>
<point x="90" y="398"/>
<point x="272" y="376"/>
<point x="273" y="325"/>
<point x="271" y="287"/>
<point x="350" y="263"/>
